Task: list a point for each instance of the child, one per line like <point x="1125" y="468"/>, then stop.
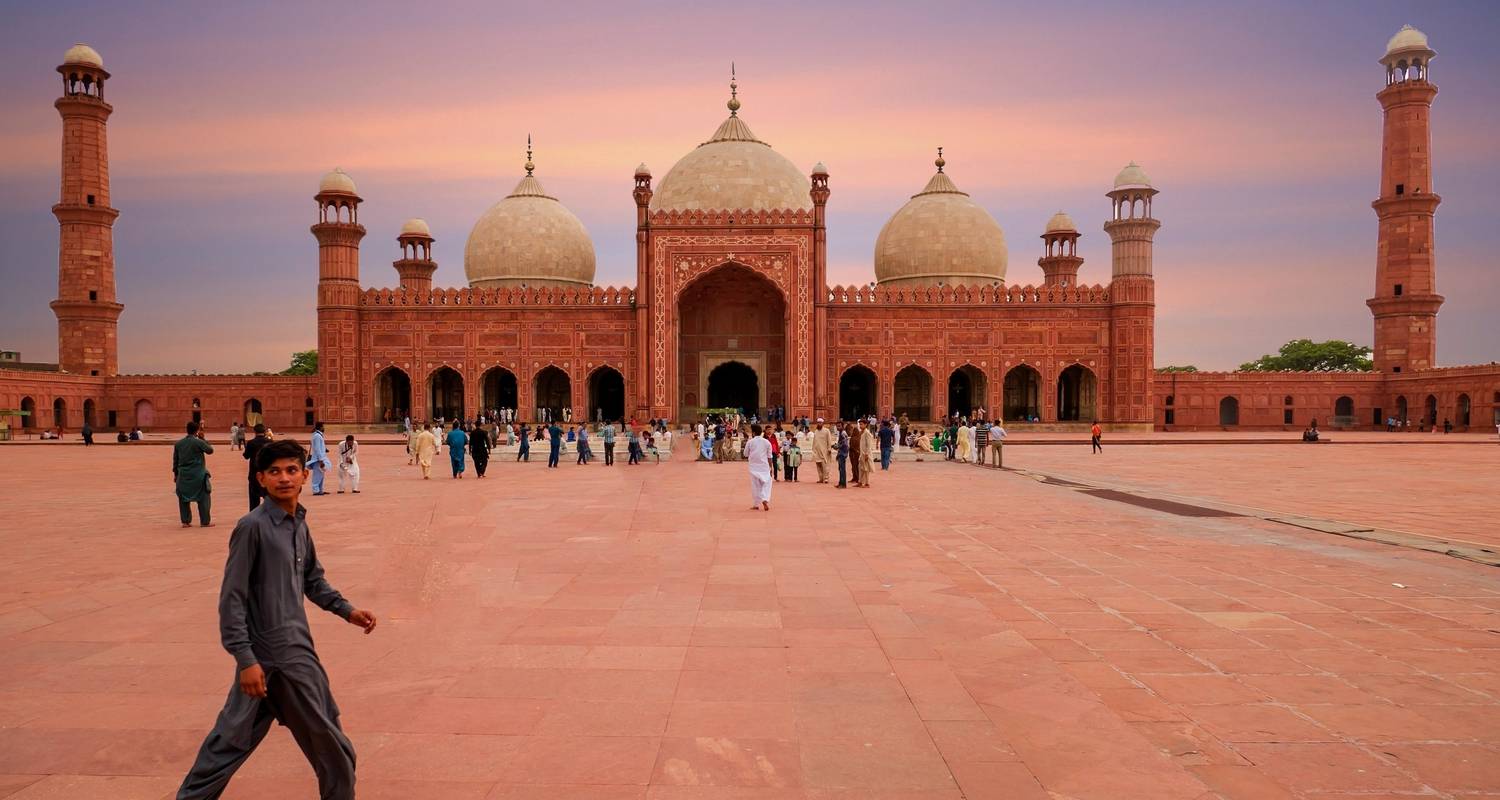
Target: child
<point x="793" y="460"/>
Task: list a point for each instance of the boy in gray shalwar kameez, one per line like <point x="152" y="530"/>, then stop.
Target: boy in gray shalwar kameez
<point x="272" y="564"/>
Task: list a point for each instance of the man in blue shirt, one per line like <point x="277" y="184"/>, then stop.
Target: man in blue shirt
<point x="317" y="460"/>
<point x="887" y="444"/>
<point x="554" y="431"/>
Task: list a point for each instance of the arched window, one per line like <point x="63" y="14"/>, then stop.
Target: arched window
<point x="28" y="413"/>
<point x="60" y="413"/>
<point x="145" y="414"/>
<point x="1461" y="411"/>
<point x="254" y="412"/>
<point x="1343" y="411"/>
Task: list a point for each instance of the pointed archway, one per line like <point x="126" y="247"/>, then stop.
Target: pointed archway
<point x="734" y="384"/>
<point x="857" y="392"/>
<point x="731" y="314"/>
<point x="499" y="390"/>
<point x="1077" y="393"/>
<point x="606" y="395"/>
<point x="966" y="390"/>
<point x="445" y="394"/>
<point x="392" y="395"/>
<point x="1023" y="394"/>
<point x="913" y="393"/>
<point x="553" y="390"/>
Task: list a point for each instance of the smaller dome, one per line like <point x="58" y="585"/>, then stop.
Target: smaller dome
<point x="415" y="227"/>
<point x="819" y="169"/>
<point x="1406" y="40"/>
<point x="1132" y="177"/>
<point x="83" y="54"/>
<point x="337" y="181"/>
<point x="643" y="170"/>
<point x="1061" y="222"/>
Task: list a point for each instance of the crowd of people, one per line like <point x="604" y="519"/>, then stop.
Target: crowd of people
<point x="480" y="436"/>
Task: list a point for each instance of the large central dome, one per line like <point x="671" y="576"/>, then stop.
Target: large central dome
<point x="529" y="239"/>
<point x="733" y="171"/>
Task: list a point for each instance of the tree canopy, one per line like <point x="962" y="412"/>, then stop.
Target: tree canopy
<point x="1174" y="368"/>
<point x="303" y="363"/>
<point x="1305" y="355"/>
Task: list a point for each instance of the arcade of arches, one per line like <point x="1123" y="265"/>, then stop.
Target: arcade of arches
<point x="731" y="314"/>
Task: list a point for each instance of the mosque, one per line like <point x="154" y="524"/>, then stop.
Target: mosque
<point x="731" y="306"/>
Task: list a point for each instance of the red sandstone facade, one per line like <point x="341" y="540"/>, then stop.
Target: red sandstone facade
<point x="746" y="291"/>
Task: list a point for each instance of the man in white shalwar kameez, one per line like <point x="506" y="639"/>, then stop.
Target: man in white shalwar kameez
<point x="758" y="453"/>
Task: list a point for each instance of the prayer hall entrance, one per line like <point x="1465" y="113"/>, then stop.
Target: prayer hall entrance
<point x="446" y="394"/>
<point x="966" y="388"/>
<point x="1077" y="390"/>
<point x="392" y="395"/>
<point x="856" y="392"/>
<point x="734" y="384"/>
<point x="553" y="393"/>
<point x="606" y="395"/>
<point x="499" y="385"/>
<point x="913" y="393"/>
<point x="731" y="330"/>
<point x="1023" y="394"/>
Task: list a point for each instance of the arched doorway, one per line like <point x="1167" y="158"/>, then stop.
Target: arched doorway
<point x="253" y="412"/>
<point x="500" y="390"/>
<point x="145" y="414"/>
<point x="1077" y="389"/>
<point x="731" y="314"/>
<point x="88" y="412"/>
<point x="966" y="389"/>
<point x="28" y="413"/>
<point x="553" y="392"/>
<point x="913" y="393"/>
<point x="734" y="384"/>
<point x="1430" y="416"/>
<point x="1229" y="411"/>
<point x="59" y="413"/>
<point x="1023" y="394"/>
<point x="1343" y="411"/>
<point x="1461" y="411"/>
<point x="392" y="395"/>
<point x="606" y="394"/>
<point x="857" y="397"/>
<point x="1402" y="412"/>
<point x="445" y="394"/>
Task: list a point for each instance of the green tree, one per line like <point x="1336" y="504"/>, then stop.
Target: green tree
<point x="1184" y="368"/>
<point x="303" y="363"/>
<point x="1306" y="355"/>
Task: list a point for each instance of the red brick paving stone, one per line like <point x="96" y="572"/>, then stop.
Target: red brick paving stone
<point x="728" y="761"/>
<point x="1188" y="744"/>
<point x="114" y="787"/>
<point x="998" y="781"/>
<point x="1327" y="766"/>
<point x="499" y="617"/>
<point x="1240" y="783"/>
<point x="1451" y="767"/>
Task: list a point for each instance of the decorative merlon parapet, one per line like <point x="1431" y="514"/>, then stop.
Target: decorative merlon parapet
<point x="501" y="296"/>
<point x="969" y="295"/>
<point x="782" y="216"/>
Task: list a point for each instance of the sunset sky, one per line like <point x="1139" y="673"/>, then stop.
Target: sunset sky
<point x="1257" y="121"/>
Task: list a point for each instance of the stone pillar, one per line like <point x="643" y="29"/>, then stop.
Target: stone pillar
<point x="338" y="233"/>
<point x="1126" y="392"/>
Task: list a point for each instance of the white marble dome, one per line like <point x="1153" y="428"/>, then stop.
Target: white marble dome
<point x="733" y="171"/>
<point x="337" y="180"/>
<point x="1060" y="223"/>
<point x="529" y="238"/>
<point x="83" y="54"/>
<point x="1408" y="39"/>
<point x="940" y="236"/>
<point x="415" y="227"/>
<point x="1132" y="177"/>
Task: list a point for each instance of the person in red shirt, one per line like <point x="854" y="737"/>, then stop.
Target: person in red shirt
<point x="1095" y="432"/>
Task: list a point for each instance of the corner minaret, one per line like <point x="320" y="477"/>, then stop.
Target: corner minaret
<point x="338" y="232"/>
<point x="416" y="265"/>
<point x="1132" y="296"/>
<point x="87" y="314"/>
<point x="1061" y="261"/>
<point x="1406" y="301"/>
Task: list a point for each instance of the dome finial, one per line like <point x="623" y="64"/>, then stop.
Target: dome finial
<point x="734" y="99"/>
<point x="529" y="166"/>
<point x="940" y="162"/>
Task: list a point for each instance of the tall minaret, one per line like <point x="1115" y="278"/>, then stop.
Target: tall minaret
<point x="1061" y="262"/>
<point x="87" y="314"/>
<point x="1406" y="301"/>
<point x="1132" y="293"/>
<point x="338" y="232"/>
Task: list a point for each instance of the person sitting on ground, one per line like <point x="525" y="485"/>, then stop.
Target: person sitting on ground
<point x="1310" y="435"/>
<point x="122" y="437"/>
<point x="135" y="434"/>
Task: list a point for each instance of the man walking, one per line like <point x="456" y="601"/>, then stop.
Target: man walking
<point x="866" y="455"/>
<point x="608" y="435"/>
<point x="272" y="565"/>
<point x="1095" y="432"/>
<point x="425" y="448"/>
<point x="191" y="475"/>
<point x="523" y="451"/>
<point x="583" y="444"/>
<point x="555" y="433"/>
<point x="758" y="453"/>
<point x="822" y="450"/>
<point x="997" y="441"/>
<point x="318" y="460"/>
<point x="253" y="448"/>
<point x="981" y="442"/>
<point x="887" y="444"/>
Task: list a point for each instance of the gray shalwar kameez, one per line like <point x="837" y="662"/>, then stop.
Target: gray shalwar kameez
<point x="271" y="566"/>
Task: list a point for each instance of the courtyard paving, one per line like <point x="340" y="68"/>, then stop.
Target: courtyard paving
<point x="636" y="632"/>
